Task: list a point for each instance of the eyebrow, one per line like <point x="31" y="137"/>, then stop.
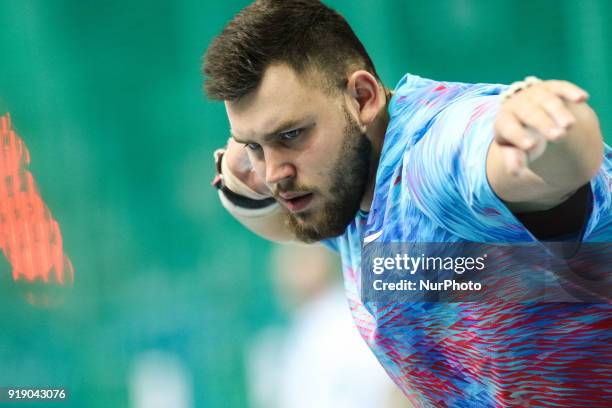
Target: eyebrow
<point x="283" y="127"/>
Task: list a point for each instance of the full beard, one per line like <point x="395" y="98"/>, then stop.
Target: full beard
<point x="349" y="180"/>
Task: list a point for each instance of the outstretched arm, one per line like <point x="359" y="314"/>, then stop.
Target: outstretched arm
<point x="547" y="146"/>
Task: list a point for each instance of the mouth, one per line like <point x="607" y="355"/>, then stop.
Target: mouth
<point x="296" y="202"/>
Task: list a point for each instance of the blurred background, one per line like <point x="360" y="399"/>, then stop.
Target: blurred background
<point x="173" y="303"/>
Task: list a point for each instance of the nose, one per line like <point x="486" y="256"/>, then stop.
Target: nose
<point x="278" y="167"/>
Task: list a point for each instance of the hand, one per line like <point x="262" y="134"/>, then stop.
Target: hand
<point x="240" y="165"/>
<point x="533" y="117"/>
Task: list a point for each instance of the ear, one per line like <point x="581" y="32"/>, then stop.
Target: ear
<point x="366" y="95"/>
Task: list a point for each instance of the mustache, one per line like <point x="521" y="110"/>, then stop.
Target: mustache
<point x="292" y="187"/>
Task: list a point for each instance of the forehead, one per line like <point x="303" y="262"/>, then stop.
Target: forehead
<point x="282" y="96"/>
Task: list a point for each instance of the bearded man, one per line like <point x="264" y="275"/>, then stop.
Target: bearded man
<point x="321" y="151"/>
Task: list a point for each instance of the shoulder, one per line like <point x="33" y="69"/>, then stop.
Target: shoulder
<point x="417" y="93"/>
<point x="418" y="102"/>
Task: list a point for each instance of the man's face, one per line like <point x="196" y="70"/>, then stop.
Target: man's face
<point x="307" y="147"/>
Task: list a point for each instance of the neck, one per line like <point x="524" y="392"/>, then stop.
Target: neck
<point x="376" y="134"/>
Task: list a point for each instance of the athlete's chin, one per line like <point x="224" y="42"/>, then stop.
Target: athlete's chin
<point x="310" y="227"/>
<point x="310" y="234"/>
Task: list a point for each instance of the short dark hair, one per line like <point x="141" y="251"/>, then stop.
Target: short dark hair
<point x="305" y="34"/>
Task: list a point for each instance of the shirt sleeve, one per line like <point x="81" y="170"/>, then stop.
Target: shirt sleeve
<point x="599" y="224"/>
<point x="447" y="175"/>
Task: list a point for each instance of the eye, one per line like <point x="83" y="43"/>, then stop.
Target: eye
<point x="253" y="146"/>
<point x="290" y="135"/>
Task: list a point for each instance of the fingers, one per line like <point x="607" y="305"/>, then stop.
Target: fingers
<point x="510" y="131"/>
<point x="557" y="110"/>
<point x="542" y="107"/>
<point x="538" y="149"/>
<point x="566" y="90"/>
<point x="515" y="159"/>
<point x="237" y="158"/>
<point x="533" y="115"/>
<point x="243" y="178"/>
<point x="531" y="118"/>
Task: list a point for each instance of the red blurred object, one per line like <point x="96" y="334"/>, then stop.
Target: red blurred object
<point x="30" y="238"/>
